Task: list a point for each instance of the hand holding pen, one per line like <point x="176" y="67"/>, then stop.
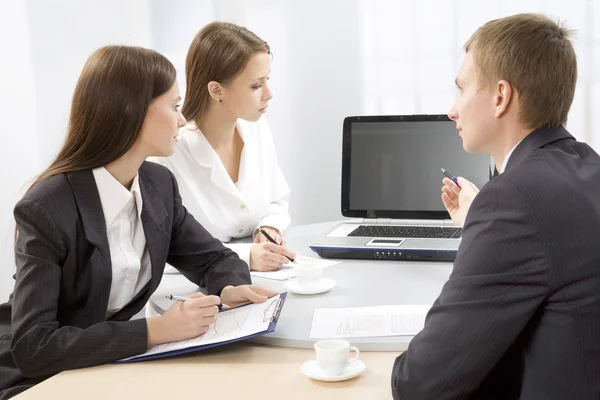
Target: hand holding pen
<point x="450" y="176"/>
<point x="457" y="196"/>
<point x="220" y="306"/>
<point x="270" y="239"/>
<point x="184" y="319"/>
<point x="267" y="254"/>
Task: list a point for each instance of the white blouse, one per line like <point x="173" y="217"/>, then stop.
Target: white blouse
<point x="228" y="209"/>
<point x="122" y="208"/>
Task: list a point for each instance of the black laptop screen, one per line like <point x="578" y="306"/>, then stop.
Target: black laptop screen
<point x="393" y="167"/>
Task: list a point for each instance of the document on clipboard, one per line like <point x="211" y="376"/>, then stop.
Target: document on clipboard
<point x="232" y="325"/>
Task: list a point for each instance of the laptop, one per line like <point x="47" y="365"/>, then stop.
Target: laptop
<point x="391" y="179"/>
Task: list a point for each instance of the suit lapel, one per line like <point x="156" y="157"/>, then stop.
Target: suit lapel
<point x="99" y="265"/>
<point x="154" y="221"/>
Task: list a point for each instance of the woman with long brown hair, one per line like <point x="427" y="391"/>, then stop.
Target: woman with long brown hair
<point x="225" y="163"/>
<point x="96" y="228"/>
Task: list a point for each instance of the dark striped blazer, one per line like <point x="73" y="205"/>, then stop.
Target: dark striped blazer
<point x="519" y="317"/>
<point x="56" y="317"/>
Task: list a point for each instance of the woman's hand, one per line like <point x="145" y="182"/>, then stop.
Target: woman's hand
<point x="235" y="296"/>
<point x="183" y="320"/>
<point x="267" y="256"/>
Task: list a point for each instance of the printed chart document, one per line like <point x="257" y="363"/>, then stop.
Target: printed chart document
<point x="400" y="320"/>
<point x="231" y="325"/>
<point x="287" y="270"/>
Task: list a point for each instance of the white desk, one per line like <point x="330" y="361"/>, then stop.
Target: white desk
<point x="241" y="371"/>
<point x="359" y="283"/>
<point x="255" y="371"/>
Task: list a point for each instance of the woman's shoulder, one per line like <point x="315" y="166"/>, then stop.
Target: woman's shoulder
<point x="54" y="195"/>
<point x="155" y="171"/>
<point x="52" y="189"/>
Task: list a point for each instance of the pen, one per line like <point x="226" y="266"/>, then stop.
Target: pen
<point x="449" y="175"/>
<point x="270" y="239"/>
<point x="221" y="306"/>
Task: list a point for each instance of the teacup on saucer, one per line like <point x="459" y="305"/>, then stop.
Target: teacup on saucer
<point x="312" y="370"/>
<point x="309" y="275"/>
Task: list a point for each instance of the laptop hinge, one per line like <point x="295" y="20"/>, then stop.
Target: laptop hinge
<point x="425" y="222"/>
<point x="369" y="221"/>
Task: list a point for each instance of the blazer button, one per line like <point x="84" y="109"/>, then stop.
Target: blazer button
<point x="242" y="206"/>
<point x="241" y="231"/>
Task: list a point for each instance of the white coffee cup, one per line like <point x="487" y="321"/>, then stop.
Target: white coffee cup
<point x="309" y="275"/>
<point x="333" y="356"/>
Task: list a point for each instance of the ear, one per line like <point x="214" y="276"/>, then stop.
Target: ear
<point x="502" y="98"/>
<point x="215" y="90"/>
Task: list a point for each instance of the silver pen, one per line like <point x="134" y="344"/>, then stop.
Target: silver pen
<point x="221" y="306"/>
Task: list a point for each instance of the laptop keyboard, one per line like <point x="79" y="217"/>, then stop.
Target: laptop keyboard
<point x="429" y="232"/>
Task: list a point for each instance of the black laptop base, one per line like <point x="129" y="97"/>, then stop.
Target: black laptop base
<point x="380" y="254"/>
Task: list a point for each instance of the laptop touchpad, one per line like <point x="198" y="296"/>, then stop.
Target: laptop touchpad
<point x="385" y="242"/>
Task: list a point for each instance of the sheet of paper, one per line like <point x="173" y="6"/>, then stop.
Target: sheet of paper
<point x="230" y="324"/>
<point x="400" y="320"/>
<point x="287" y="271"/>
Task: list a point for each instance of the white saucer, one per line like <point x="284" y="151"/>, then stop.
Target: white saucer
<point x="312" y="370"/>
<point x="325" y="285"/>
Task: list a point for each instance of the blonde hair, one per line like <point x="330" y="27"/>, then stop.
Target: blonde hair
<point x="536" y="56"/>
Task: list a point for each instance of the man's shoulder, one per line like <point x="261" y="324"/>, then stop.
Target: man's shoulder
<point x="510" y="193"/>
<point x="537" y="185"/>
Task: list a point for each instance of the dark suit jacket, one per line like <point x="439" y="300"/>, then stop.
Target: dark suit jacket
<point x="519" y="317"/>
<point x="58" y="307"/>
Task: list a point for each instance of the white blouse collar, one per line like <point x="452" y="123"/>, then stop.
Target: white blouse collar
<point x="201" y="150"/>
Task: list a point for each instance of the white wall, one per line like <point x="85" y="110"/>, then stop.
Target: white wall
<point x="18" y="126"/>
<point x="317" y="81"/>
<point x="44" y="46"/>
<point x="173" y="28"/>
<point x="338" y="58"/>
<point x="332" y="59"/>
<point x="63" y="34"/>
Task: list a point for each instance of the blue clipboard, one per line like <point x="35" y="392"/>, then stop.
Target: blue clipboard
<point x="271" y="328"/>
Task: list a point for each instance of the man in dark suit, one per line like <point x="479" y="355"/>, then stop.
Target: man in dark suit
<point x="519" y="317"/>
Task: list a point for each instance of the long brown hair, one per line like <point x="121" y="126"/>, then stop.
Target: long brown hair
<point x="536" y="56"/>
<point x="110" y="101"/>
<point x="219" y="52"/>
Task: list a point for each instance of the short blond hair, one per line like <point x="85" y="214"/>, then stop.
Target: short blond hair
<point x="536" y="56"/>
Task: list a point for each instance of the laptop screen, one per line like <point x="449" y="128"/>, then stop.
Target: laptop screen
<point x="392" y="165"/>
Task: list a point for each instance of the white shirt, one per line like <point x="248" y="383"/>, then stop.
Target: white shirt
<point x="225" y="208"/>
<point x="503" y="167"/>
<point x="131" y="269"/>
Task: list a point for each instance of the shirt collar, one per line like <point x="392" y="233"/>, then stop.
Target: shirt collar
<point x="503" y="167"/>
<point x="199" y="147"/>
<point x="114" y="196"/>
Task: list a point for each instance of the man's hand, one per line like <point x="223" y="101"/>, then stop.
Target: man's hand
<point x="457" y="199"/>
